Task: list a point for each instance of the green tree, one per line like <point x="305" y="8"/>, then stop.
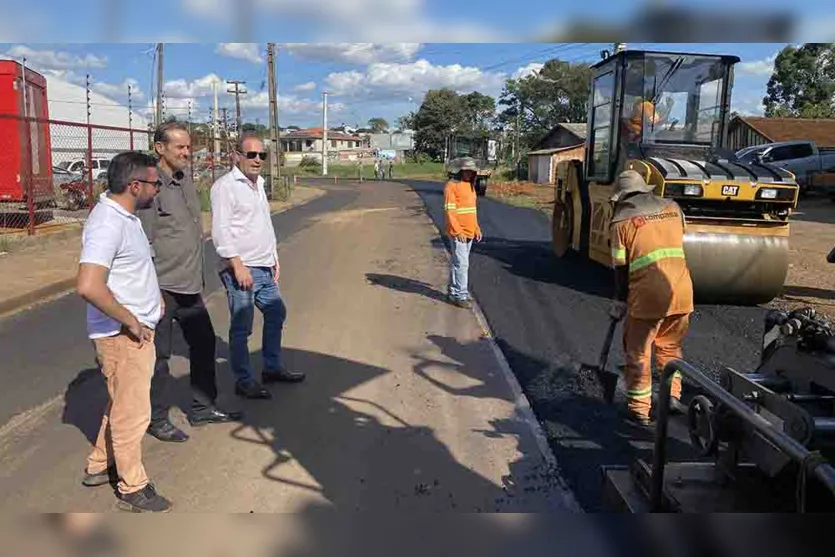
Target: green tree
<point x="439" y="114"/>
<point x="557" y="94"/>
<point x="444" y="112"/>
<point x="802" y="84"/>
<point x="378" y="125"/>
<point x="406" y="122"/>
<point x="479" y="111"/>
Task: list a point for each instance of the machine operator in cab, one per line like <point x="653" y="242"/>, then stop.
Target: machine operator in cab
<point x="653" y="288"/>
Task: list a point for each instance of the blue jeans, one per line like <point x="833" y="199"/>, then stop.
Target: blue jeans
<point x="459" y="271"/>
<point x="266" y="297"/>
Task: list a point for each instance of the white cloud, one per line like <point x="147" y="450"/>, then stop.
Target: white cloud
<point x="201" y="87"/>
<point x="243" y="51"/>
<point x="400" y="81"/>
<point x="354" y="53"/>
<point x="66" y="75"/>
<point x="760" y="68"/>
<point x="290" y="104"/>
<point x="305" y="87"/>
<point x="381" y="21"/>
<point x="528" y="70"/>
<point x="119" y="90"/>
<point x="749" y="103"/>
<point x="55" y="60"/>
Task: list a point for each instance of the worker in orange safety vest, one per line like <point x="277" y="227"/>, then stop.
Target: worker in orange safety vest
<point x="653" y="288"/>
<point x="461" y="227"/>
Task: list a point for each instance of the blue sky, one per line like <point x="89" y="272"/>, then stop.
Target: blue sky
<point x="371" y="20"/>
<point x="364" y="79"/>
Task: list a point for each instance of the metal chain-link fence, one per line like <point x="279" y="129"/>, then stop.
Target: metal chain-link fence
<point x="52" y="172"/>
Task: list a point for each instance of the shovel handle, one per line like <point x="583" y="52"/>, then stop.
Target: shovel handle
<point x="607" y="344"/>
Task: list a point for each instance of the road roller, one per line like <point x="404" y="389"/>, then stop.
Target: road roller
<point x="763" y="439"/>
<point x="665" y="115"/>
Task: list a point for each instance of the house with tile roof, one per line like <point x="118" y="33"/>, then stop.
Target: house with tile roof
<point x="748" y="131"/>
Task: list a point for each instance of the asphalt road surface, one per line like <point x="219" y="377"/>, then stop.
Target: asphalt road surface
<point x="549" y="316"/>
<point x="406" y="406"/>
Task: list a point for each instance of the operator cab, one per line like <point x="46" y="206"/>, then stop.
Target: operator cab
<point x="648" y="104"/>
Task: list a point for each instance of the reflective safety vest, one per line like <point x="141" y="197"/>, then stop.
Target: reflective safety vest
<point x="460" y="209"/>
<point x="653" y="248"/>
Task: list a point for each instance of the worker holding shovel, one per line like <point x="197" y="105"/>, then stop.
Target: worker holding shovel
<point x="654" y="291"/>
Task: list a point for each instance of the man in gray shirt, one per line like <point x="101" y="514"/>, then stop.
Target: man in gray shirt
<point x="174" y="227"/>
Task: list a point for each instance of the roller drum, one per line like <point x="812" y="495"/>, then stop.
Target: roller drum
<point x="734" y="268"/>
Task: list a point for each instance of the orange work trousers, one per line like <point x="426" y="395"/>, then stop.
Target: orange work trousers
<point x="639" y="337"/>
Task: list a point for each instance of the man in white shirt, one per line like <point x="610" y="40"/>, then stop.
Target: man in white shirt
<point x="116" y="277"/>
<point x="244" y="238"/>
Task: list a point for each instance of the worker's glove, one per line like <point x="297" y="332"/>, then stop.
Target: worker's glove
<point x="617" y="310"/>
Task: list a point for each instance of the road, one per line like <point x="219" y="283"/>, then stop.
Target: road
<point x="549" y="316"/>
<point x="406" y="405"/>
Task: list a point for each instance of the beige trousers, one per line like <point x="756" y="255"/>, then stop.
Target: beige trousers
<point x="128" y="369"/>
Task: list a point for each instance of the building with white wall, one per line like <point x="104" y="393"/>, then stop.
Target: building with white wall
<point x="68" y="105"/>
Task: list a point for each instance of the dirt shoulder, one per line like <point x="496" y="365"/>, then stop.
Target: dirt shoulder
<point x="810" y="281"/>
<point x="39" y="269"/>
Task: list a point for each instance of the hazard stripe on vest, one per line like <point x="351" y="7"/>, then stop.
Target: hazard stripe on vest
<point x="655" y="256"/>
<point x="466" y="211"/>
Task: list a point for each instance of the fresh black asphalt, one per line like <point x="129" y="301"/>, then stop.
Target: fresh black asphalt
<point x="549" y="316"/>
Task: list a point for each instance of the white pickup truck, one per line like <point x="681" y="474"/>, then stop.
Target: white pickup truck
<point x="804" y="159"/>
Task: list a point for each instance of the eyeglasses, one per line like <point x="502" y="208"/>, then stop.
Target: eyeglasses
<point x="157" y="183"/>
<point x="260" y="154"/>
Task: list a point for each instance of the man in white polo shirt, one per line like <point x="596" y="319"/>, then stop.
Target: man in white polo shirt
<point x="117" y="279"/>
<point x="244" y="238"/>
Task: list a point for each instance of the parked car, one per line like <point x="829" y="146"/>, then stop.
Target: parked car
<point x="80" y="166"/>
<point x="804" y="159"/>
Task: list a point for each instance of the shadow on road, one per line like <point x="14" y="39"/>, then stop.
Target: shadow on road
<point x="85" y="401"/>
<point x="355" y="453"/>
<point x="808" y="292"/>
<point x="405" y="284"/>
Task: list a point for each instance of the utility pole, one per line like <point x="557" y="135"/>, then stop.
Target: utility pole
<point x="275" y="149"/>
<point x="324" y="133"/>
<point x="237" y="92"/>
<point x="225" y="126"/>
<point x="160" y="77"/>
<point x="215" y="125"/>
<point x="517" y="156"/>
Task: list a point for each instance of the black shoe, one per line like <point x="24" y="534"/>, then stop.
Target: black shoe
<point x="146" y="500"/>
<point x="102" y="478"/>
<point x="282" y="375"/>
<point x="635" y="419"/>
<point x="677" y="408"/>
<point x="252" y="390"/>
<point x="212" y="416"/>
<point x="168" y="432"/>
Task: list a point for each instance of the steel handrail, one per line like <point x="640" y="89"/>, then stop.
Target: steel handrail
<point x="797" y="452"/>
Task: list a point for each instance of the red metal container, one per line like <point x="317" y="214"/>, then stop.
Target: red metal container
<point x="25" y="147"/>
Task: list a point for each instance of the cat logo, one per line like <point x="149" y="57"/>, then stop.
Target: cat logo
<point x="730" y="190"/>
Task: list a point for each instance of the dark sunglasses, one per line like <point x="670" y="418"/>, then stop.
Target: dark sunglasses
<point x="157" y="183"/>
<point x="253" y="154"/>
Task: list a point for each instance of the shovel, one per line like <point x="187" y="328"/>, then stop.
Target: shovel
<point x="608" y="380"/>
